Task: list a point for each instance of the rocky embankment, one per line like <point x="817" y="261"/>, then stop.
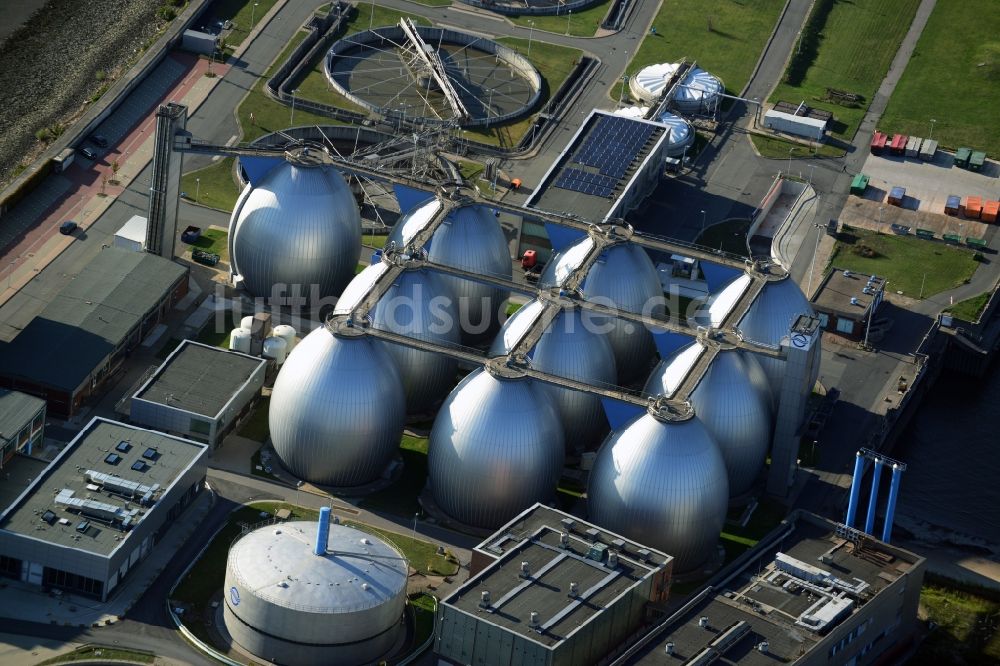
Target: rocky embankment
<point x="49" y="67"/>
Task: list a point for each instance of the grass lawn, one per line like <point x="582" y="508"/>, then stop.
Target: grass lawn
<point x="953" y="79"/>
<point x="215" y="241"/>
<point x="903" y="261"/>
<point x="967" y="628"/>
<point x="239" y="12"/>
<point x="423" y="607"/>
<point x="581" y="24"/>
<point x="777" y="148"/>
<point x="401" y="498"/>
<point x="970" y="308"/>
<point x="730" y="236"/>
<point x="217" y="188"/>
<point x="857" y="43"/>
<point x="726" y="37"/>
<point x="470" y="170"/>
<point x="97" y="653"/>
<point x="374" y="241"/>
<point x="256" y="427"/>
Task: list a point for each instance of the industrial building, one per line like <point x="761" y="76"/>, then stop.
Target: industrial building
<point x="199" y="392"/>
<point x="66" y="353"/>
<point x="85" y="520"/>
<point x="314" y="594"/>
<point x="548" y="589"/>
<point x="22" y="424"/>
<point x="846" y="302"/>
<point x="814" y="592"/>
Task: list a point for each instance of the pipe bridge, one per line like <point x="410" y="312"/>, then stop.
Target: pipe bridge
<point x="432" y="65"/>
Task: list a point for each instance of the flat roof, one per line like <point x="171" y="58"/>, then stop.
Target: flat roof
<point x="594" y="170"/>
<point x="770" y="600"/>
<point x="838" y="289"/>
<point x="144" y="461"/>
<point x="16" y="410"/>
<point x="199" y="379"/>
<point x="89" y="318"/>
<point x="534" y="537"/>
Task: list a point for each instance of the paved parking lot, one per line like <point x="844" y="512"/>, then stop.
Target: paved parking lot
<point x="928" y="184"/>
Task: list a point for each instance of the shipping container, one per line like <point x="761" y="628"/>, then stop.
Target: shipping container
<point x="859" y="184"/>
<point x="962" y="156"/>
<point x="973" y="207"/>
<point x="878" y="143"/>
<point x="928" y="149"/>
<point x="976" y="160"/>
<point x="913" y="146"/>
<point x="990" y="211"/>
<point x="952" y="238"/>
<point x="896" y="196"/>
<point x="132" y="235"/>
<point x="898" y="144"/>
<point x="953" y="205"/>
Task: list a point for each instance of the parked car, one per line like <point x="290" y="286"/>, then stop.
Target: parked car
<point x="99" y="141"/>
<point x="191" y="234"/>
<point x="67" y="227"/>
<point x="88" y="153"/>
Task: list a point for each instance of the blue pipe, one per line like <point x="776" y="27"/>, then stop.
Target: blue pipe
<point x="890" y="510"/>
<point x="852" y="504"/>
<point x="870" y="519"/>
<point x="322" y="531"/>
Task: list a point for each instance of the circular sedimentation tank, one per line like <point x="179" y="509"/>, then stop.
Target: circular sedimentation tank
<point x="495" y="449"/>
<point x="698" y="92"/>
<point x="284" y="602"/>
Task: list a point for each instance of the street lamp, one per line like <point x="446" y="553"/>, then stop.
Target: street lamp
<point x="291" y="120"/>
<point x="197" y="189"/>
<point x="298" y="487"/>
<point x="878" y="229"/>
<point x="929" y="136"/>
<point x="790" y="151"/>
<point x="531" y="29"/>
<point x="811" y="167"/>
<point x="569" y="17"/>
<point x="703" y="225"/>
<point x="414" y="535"/>
<point x="252" y="11"/>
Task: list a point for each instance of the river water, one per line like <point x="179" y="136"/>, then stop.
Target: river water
<point x="952" y="449"/>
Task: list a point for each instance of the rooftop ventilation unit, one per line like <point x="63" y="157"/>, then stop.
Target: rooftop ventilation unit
<point x="703" y="622"/>
<point x="563" y="540"/>
<point x="485" y="601"/>
<point x="525" y="570"/>
<point x="612" y="559"/>
<point x="854" y="300"/>
<point x="669" y="647"/>
<point x="123" y="447"/>
<point x="593" y="533"/>
<point x="574" y="589"/>
<point x="108" y="513"/>
<point x="847" y="273"/>
<point x="112" y="458"/>
<point x="533" y="620"/>
<point x="123" y="487"/>
<point x="569" y="524"/>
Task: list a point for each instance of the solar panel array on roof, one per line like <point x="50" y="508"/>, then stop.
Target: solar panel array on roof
<point x="611" y="147"/>
<point x="589" y="183"/>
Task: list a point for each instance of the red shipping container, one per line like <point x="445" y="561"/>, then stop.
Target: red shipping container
<point x="973" y="207"/>
<point x="990" y="211"/>
<point x="898" y="145"/>
<point x="878" y="143"/>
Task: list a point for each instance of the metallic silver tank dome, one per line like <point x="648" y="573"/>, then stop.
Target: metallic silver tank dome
<point x="337" y="409"/>
<point x="299" y="225"/>
<point x="420" y="305"/>
<point x="469" y="238"/>
<point x="733" y="401"/>
<point x="662" y="484"/>
<point x="496" y="448"/>
<point x="769" y="320"/>
<point x="624" y="276"/>
<point x="567" y="349"/>
<point x="714" y="310"/>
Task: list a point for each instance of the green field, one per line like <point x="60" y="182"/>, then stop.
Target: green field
<point x="240" y="12"/>
<point x="777" y="148"/>
<point x="216" y="189"/>
<point x="581" y="24"/>
<point x="856" y="44"/>
<point x="970" y="309"/>
<point x="954" y="78"/>
<point x="401" y="497"/>
<point x="214" y="241"/>
<point x="726" y="37"/>
<point x="966" y="631"/>
<point x="100" y="654"/>
<point x="904" y="261"/>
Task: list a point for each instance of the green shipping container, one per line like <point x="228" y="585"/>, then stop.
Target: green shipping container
<point x="859" y="184"/>
<point x="962" y="156"/>
<point x="976" y="160"/>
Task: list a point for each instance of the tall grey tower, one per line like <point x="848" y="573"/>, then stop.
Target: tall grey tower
<point x="164" y="186"/>
<point x="802" y="353"/>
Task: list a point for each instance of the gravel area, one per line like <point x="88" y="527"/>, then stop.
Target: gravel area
<point x="48" y="67"/>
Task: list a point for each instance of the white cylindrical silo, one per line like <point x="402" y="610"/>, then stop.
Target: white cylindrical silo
<point x="286" y="333"/>
<point x="247" y="322"/>
<point x="681" y="134"/>
<point x="275" y="348"/>
<point x="286" y="603"/>
<point x="239" y="340"/>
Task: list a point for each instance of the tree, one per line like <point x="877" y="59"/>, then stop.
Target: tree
<point x="114" y="170"/>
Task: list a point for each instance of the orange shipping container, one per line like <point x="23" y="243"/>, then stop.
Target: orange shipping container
<point x="973" y="207"/>
<point x="990" y="210"/>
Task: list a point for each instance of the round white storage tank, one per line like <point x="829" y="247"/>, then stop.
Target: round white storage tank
<point x="286" y="333"/>
<point x="337" y="409"/>
<point x="733" y="401"/>
<point x="567" y="348"/>
<point x="698" y="92"/>
<point x="681" y="133"/>
<point x="663" y="484"/>
<point x="344" y="607"/>
<point x="239" y="340"/>
<point x="496" y="448"/>
<point x="419" y="305"/>
<point x="275" y="348"/>
<point x="297" y="233"/>
<point x="469" y="238"/>
<point x="247" y="322"/>
<point x="626" y="277"/>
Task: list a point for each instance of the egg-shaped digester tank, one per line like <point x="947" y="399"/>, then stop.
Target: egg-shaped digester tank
<point x="419" y="305"/>
<point x="662" y="484"/>
<point x="296" y="232"/>
<point x="567" y="348"/>
<point x="496" y="448"/>
<point x="624" y="276"/>
<point x="470" y="238"/>
<point x="733" y="401"/>
<point x="337" y="409"/>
